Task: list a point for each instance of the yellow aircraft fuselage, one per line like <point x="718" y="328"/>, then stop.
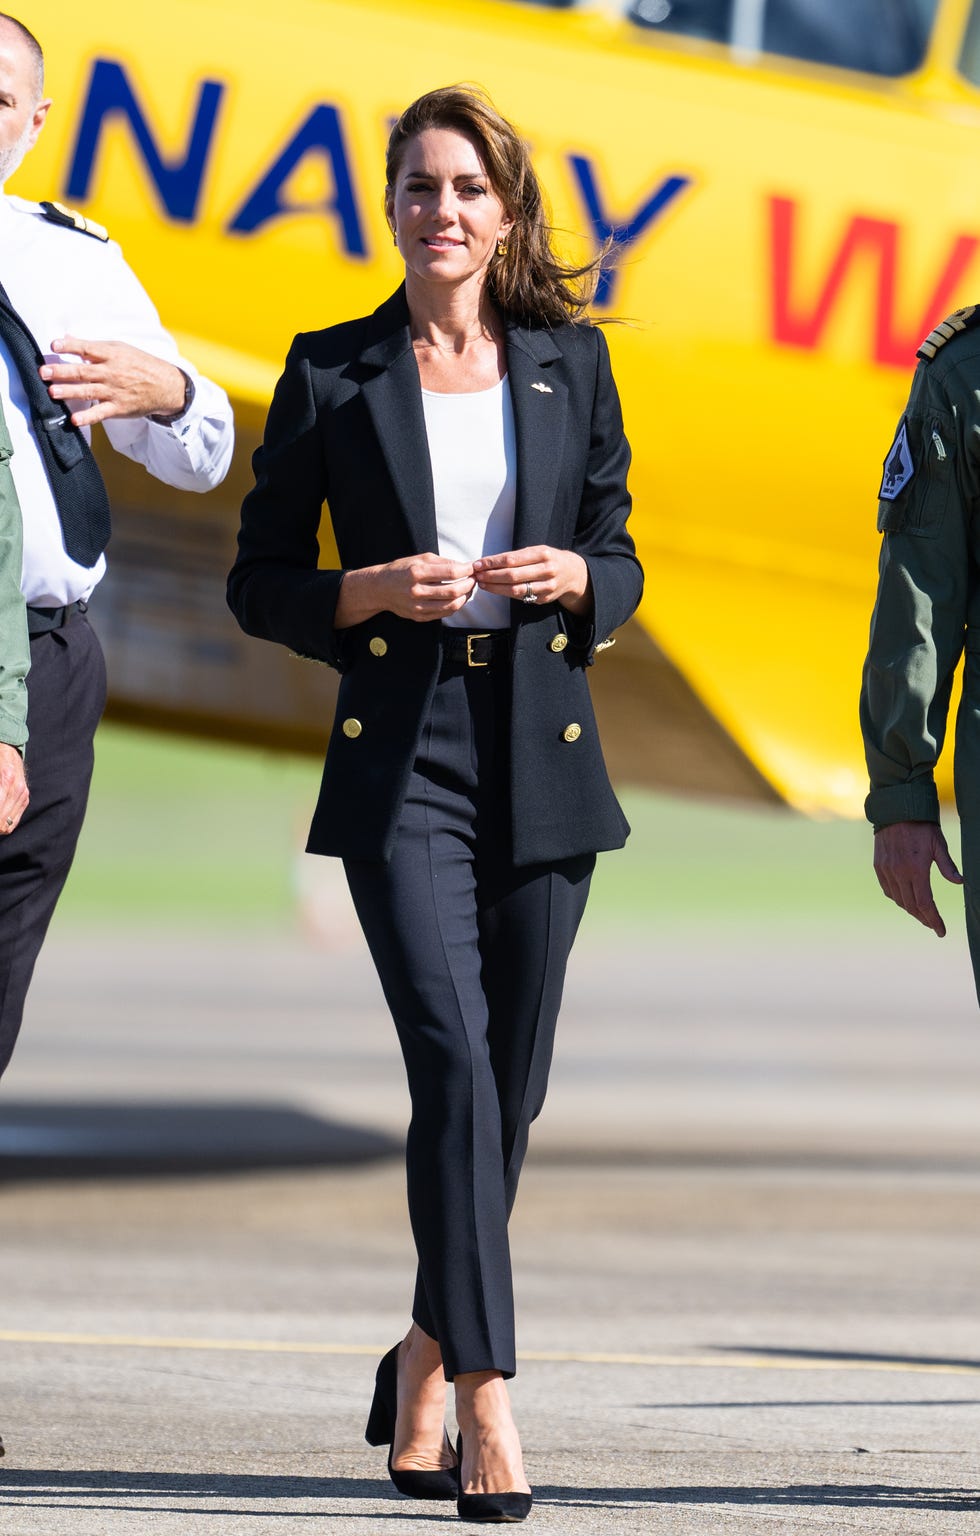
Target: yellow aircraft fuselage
<point x="786" y="237"/>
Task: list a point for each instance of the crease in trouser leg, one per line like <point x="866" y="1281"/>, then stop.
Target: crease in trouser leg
<point x="469" y="1270"/>
<point x="418" y="915"/>
<point x="66" y="695"/>
<point x="970" y="852"/>
<point x="548" y="904"/>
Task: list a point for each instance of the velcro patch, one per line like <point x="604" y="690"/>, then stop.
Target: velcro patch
<point x="898" y="467"/>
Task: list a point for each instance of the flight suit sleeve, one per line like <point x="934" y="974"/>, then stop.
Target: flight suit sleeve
<point x="15" y="654"/>
<point x="929" y="487"/>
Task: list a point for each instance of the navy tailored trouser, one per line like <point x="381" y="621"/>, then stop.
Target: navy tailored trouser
<point x="66" y="690"/>
<point x="471" y="954"/>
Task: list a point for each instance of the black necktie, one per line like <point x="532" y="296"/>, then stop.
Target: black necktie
<point x="76" y="481"/>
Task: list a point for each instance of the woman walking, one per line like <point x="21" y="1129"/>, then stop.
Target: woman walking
<point x="468" y="441"/>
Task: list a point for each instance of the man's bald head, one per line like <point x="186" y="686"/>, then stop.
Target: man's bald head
<point x="23" y="108"/>
<point x="17" y="32"/>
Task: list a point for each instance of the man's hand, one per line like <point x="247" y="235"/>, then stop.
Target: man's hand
<point x="13" y="789"/>
<point x="120" y="380"/>
<point x="904" y="856"/>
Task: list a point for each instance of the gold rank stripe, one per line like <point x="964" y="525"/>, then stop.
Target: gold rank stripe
<point x="959" y="320"/>
<point x="77" y="220"/>
<point x="84" y="225"/>
<point x="733" y="1360"/>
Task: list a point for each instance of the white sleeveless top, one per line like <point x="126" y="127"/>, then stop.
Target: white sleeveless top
<point x="473" y="453"/>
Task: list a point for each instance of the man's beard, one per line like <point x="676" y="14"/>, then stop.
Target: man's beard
<point x="11" y="157"/>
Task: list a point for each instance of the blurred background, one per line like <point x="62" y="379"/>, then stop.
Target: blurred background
<point x="761" y="1149"/>
<point x="790" y="190"/>
<point x="791" y="194"/>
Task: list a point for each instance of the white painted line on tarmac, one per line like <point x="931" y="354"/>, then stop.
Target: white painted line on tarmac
<point x="731" y="1360"/>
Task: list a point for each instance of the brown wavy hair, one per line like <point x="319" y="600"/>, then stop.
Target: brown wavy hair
<point x="529" y="283"/>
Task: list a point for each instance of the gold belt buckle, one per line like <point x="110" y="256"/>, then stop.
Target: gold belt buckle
<point x="470" y="662"/>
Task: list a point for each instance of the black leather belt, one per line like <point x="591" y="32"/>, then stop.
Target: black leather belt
<point x="475" y="648"/>
<point x="41" y="620"/>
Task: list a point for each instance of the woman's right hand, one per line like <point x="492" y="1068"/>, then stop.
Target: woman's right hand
<point x="419" y="587"/>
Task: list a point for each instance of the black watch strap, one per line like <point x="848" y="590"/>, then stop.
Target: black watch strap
<point x="189" y="393"/>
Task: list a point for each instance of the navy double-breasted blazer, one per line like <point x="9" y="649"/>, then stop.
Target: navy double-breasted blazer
<point x="346" y="428"/>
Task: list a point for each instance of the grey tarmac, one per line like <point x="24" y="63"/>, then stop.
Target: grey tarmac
<point x="746" y="1245"/>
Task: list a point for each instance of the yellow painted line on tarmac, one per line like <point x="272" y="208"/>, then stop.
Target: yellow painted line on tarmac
<point x="732" y="1360"/>
<point x="234" y="1346"/>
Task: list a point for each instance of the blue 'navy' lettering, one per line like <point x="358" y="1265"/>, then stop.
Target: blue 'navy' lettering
<point x="321" y="133"/>
<point x="622" y="232"/>
<point x="177" y="181"/>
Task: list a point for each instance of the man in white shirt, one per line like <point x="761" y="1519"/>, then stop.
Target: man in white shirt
<point x="65" y="284"/>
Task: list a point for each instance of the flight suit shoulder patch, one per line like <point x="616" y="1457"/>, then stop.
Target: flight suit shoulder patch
<point x="70" y="218"/>
<point x="960" y="320"/>
<point x="898" y="467"/>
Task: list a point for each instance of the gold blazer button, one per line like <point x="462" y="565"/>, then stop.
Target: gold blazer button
<point x="352" y="728"/>
<point x="377" y="646"/>
<point x="570" y="733"/>
<point x="558" y="643"/>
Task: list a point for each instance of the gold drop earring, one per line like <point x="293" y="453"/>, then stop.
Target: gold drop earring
<point x="501" y="248"/>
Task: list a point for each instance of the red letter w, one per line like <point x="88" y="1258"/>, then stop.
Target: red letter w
<point x="876" y="240"/>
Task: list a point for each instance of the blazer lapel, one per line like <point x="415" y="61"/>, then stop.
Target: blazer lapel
<point x="393" y="397"/>
<point x="540" y="403"/>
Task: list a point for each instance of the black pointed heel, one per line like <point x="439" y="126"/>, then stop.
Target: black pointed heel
<point x="439" y="1483"/>
<point x="489" y="1508"/>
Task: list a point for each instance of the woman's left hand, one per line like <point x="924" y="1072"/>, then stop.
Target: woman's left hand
<point x="549" y="575"/>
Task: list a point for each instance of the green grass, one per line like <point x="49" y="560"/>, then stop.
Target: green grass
<point x="687" y="859"/>
<point x="187" y="833"/>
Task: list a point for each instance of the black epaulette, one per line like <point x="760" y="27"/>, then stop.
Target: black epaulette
<point x="70" y="218"/>
<point x="959" y="320"/>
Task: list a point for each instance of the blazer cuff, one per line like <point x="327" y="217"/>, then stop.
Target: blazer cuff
<point x="580" y="629"/>
<point x="318" y="639"/>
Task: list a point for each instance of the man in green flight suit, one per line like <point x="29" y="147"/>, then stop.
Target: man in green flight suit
<point x="926" y="615"/>
<point x="15" y="656"/>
